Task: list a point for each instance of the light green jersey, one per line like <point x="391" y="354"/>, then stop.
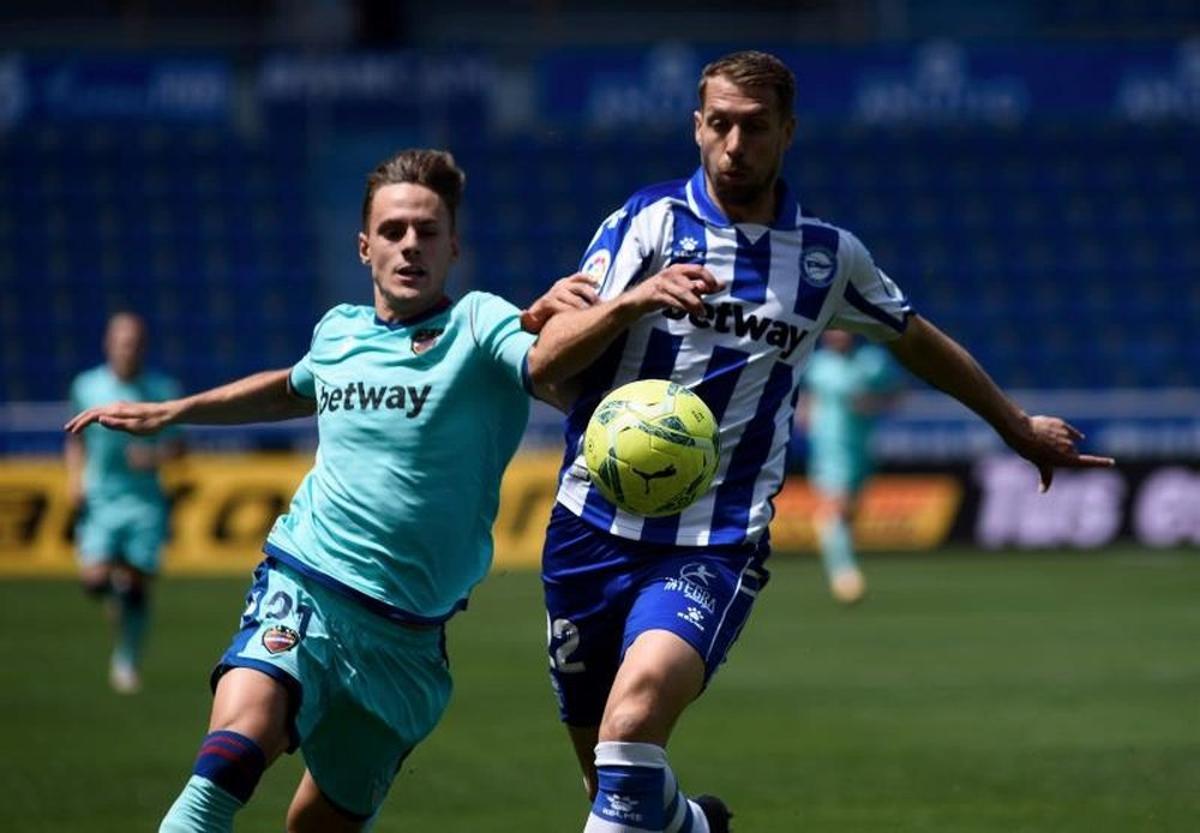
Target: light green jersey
<point x="417" y="422"/>
<point x="839" y="431"/>
<point x="107" y="475"/>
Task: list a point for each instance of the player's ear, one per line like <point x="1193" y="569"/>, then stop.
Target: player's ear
<point x="454" y="245"/>
<point x="364" y="248"/>
<point x="789" y="130"/>
<point x="696" y="121"/>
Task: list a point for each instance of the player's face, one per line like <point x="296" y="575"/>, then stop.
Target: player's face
<point x="742" y="133"/>
<point x="409" y="244"/>
<point x="125" y="345"/>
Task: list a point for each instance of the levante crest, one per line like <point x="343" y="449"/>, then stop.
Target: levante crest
<point x="423" y="340"/>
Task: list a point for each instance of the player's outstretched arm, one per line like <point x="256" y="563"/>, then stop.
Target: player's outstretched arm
<point x="263" y="397"/>
<point x="1047" y="442"/>
<point x="574" y="338"/>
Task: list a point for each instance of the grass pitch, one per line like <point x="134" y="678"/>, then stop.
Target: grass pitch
<point x="970" y="693"/>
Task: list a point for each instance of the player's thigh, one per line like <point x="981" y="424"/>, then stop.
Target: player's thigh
<point x="255" y="705"/>
<point x="144" y="533"/>
<point x="583" y="639"/>
<point x="312" y="812"/>
<point x="283" y="636"/>
<point x="659" y="676"/>
<point x="388" y="688"/>
<point x="97" y="540"/>
<point x="703" y="597"/>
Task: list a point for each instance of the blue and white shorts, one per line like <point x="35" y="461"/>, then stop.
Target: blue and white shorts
<point x="603" y="591"/>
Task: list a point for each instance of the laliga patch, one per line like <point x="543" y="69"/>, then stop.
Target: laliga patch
<point x="424" y="340"/>
<point x="280" y="638"/>
<point x="818" y="265"/>
<point x="596" y="266"/>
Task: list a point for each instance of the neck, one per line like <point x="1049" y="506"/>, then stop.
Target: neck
<point x="760" y="210"/>
<point x="393" y="312"/>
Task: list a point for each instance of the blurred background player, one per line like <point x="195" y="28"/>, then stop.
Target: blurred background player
<point x="847" y="385"/>
<point x="113" y="483"/>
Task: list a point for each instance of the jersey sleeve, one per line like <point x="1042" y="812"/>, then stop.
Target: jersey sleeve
<point x="871" y="303"/>
<point x="496" y="328"/>
<point x="301" y="380"/>
<point x="620" y="252"/>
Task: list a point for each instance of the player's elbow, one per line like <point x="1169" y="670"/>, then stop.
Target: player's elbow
<point x="544" y="368"/>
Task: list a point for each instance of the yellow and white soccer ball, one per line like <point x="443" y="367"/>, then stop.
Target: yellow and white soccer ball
<point x="652" y="447"/>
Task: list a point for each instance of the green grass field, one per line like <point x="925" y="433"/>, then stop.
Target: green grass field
<point x="970" y="694"/>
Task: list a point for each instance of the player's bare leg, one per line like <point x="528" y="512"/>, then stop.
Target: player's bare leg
<point x="312" y="812"/>
<point x="835" y="523"/>
<point x="247" y="731"/>
<point x="584" y="740"/>
<point x="659" y="676"/>
<point x="129" y="612"/>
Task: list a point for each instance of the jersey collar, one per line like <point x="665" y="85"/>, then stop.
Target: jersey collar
<point x="437" y="309"/>
<point x="787" y="209"/>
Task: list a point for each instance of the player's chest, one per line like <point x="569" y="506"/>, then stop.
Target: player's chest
<point x="770" y="303"/>
<point x="387" y="383"/>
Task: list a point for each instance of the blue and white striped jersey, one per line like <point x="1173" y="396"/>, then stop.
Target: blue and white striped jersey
<point x="784" y="284"/>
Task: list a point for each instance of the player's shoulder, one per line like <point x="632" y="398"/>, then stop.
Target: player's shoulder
<point x="92" y="375"/>
<point x="343" y="319"/>
<point x="91" y="379"/>
<point x="480" y="308"/>
<point x="846" y="238"/>
<point x="161" y="383"/>
<point x="674" y="189"/>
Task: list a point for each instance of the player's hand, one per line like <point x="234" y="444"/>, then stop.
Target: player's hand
<point x="576" y="291"/>
<point x="131" y="417"/>
<point x="1049" y="443"/>
<point x="680" y="286"/>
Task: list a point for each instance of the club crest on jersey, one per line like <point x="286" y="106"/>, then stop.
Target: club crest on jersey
<point x="423" y="340"/>
<point x="818" y="265"/>
<point x="280" y="638"/>
<point x="596" y="266"/>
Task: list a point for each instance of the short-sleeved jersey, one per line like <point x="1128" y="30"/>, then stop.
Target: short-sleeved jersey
<point x="835" y="381"/>
<point x="416" y="423"/>
<point x="107" y="475"/>
<point x="784" y="283"/>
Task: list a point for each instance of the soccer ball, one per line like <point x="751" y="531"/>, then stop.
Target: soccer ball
<point x="652" y="447"/>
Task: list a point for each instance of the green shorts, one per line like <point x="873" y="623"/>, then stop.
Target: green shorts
<point x="132" y="532"/>
<point x="365" y="690"/>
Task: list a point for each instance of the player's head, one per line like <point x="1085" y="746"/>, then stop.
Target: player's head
<point x="408" y="236"/>
<point x="125" y="344"/>
<point x="744" y="124"/>
<point x="838" y="341"/>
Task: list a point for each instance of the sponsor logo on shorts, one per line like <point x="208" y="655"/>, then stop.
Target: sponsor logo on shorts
<point x="693" y="615"/>
<point x="696" y="573"/>
<point x="691" y="592"/>
<point x="279" y="638"/>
